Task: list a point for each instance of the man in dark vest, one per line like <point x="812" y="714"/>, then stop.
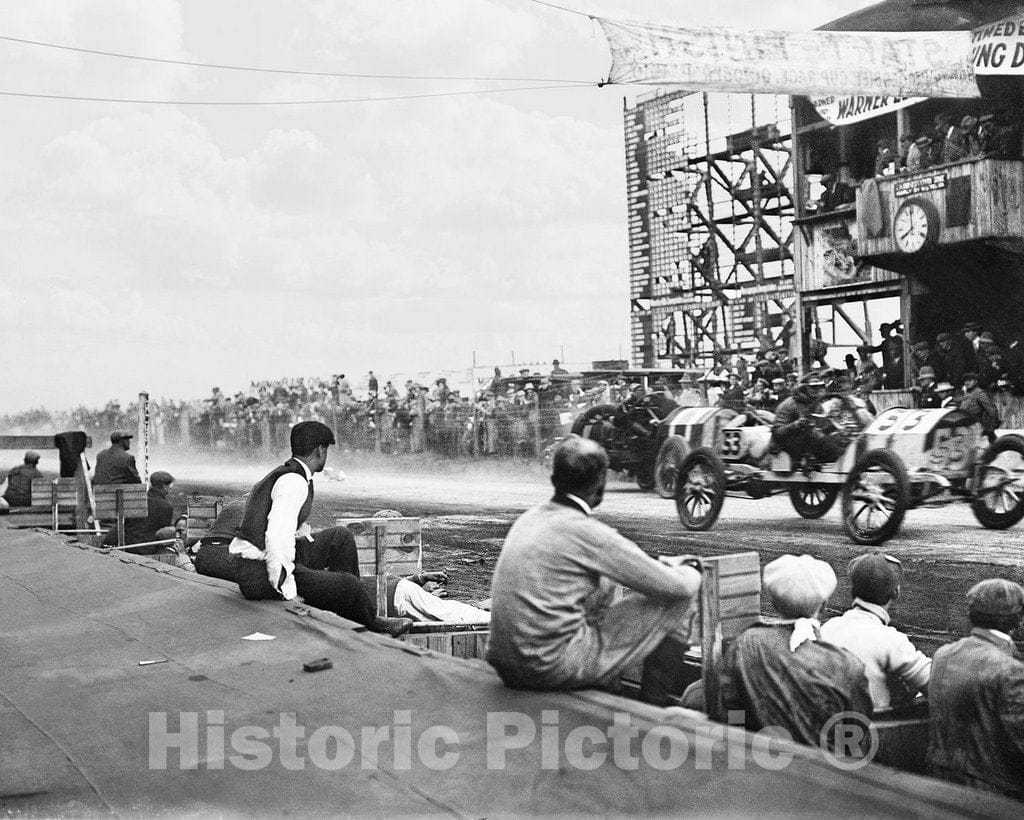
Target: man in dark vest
<point x="115" y="465"/>
<point x="279" y="558"/>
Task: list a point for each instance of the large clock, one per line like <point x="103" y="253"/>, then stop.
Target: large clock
<point x="915" y="225"/>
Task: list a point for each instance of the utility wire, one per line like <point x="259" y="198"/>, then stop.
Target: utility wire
<point x="287" y="102"/>
<point x="296" y="72"/>
<point x="563" y="8"/>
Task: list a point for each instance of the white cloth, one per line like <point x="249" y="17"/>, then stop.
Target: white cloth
<point x="895" y="668"/>
<point x="287" y="497"/>
<point x="804" y="629"/>
<point x="412" y="601"/>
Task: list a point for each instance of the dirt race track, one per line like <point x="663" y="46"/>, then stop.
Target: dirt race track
<point x="468" y="507"/>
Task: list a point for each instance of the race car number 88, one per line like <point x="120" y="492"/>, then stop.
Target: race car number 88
<point x="731" y="443"/>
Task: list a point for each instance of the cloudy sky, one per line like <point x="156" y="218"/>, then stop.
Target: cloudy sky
<point x="170" y="247"/>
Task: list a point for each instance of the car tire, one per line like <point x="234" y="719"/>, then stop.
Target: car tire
<point x="813" y="500"/>
<point x="1000" y="505"/>
<point x="700" y="490"/>
<point x="588" y="416"/>
<point x="878" y="483"/>
<point x="671" y="456"/>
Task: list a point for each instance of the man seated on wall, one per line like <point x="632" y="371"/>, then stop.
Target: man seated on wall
<point x="555" y="620"/>
<point x="407" y="597"/>
<point x="157" y="525"/>
<point x="19" y="482"/>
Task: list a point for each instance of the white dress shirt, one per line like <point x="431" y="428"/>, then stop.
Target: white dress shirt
<point x="287" y="497"/>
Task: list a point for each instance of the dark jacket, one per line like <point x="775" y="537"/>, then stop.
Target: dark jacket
<point x="257" y="509"/>
<point x="19" y="485"/>
<point x="976" y="696"/>
<point x="788" y="415"/>
<point x="978" y="404"/>
<point x="798" y="691"/>
<point x="115" y="465"/>
<point x="141" y="530"/>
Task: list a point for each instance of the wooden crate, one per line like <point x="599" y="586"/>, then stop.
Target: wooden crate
<point x="730" y="601"/>
<point x="49" y="491"/>
<point x="402" y="542"/>
<point x="457" y="640"/>
<point x="127" y="500"/>
<point x="201" y="512"/>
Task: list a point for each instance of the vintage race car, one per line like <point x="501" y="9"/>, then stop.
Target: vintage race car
<point x="650" y="440"/>
<point x="900" y="460"/>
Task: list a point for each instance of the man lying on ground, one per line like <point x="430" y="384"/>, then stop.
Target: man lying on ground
<point x="555" y="623"/>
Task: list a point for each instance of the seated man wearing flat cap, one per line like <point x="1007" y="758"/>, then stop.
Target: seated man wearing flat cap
<point x="895" y="668"/>
<point x="778" y="673"/>
<point x="976" y="696"/>
<point x="279" y="557"/>
<point x="19" y="482"/>
<point x="116" y="465"/>
<point x="555" y="620"/>
<point x="158" y="523"/>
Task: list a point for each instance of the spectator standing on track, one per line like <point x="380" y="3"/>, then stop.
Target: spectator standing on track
<point x="976" y="696"/>
<point x="896" y="670"/>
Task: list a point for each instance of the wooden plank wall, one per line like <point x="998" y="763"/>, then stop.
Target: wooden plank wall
<point x="403" y="541"/>
<point x="136" y="505"/>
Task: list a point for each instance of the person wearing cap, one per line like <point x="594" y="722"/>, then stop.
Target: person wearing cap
<point x="896" y="670"/>
<point x="116" y="465"/>
<point x="734" y="397"/>
<point x="794" y="430"/>
<point x="280" y="558"/>
<point x="780" y="673"/>
<point x="158" y="523"/>
<point x="555" y="620"/>
<point x="558" y="373"/>
<point x="918" y="154"/>
<point x="925" y="394"/>
<point x="19" y="481"/>
<point x="947" y="360"/>
<point x="976" y="696"/>
<point x="978" y="404"/>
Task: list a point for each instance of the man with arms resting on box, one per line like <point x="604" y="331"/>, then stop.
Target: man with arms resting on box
<point x="555" y="623"/>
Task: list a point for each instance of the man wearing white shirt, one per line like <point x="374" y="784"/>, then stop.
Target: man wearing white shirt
<point x="278" y="555"/>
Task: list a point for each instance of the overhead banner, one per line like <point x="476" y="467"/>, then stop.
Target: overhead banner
<point x="998" y="48"/>
<point x="811" y="63"/>
<point x="844" y="110"/>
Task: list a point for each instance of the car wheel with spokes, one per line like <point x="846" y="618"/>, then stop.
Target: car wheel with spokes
<point x="700" y="489"/>
<point x="875" y="497"/>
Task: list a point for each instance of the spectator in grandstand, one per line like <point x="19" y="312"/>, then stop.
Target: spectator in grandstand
<point x="558" y="373"/>
<point x="19" y="481"/>
<point x="734" y="397"/>
<point x="779" y="674"/>
<point x="948" y="361"/>
<point x="555" y="624"/>
<point x="895" y="669"/>
<point x="976" y="696"/>
<point x="918" y="154"/>
<point x="925" y="394"/>
<point x="115" y="465"/>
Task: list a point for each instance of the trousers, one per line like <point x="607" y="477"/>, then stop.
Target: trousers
<point x="326" y="576"/>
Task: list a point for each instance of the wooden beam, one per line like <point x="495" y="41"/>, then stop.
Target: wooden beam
<point x="853" y="325"/>
<point x="32" y="442"/>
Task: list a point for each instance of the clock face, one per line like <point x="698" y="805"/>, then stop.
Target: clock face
<point x="912" y="227"/>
